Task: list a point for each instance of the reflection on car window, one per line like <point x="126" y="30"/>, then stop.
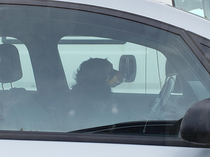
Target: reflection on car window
<point x="94" y="73"/>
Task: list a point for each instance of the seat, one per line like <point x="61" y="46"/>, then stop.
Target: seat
<point x="18" y="109"/>
<point x="10" y="67"/>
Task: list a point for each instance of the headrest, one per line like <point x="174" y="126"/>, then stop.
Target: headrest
<point x="10" y="67"/>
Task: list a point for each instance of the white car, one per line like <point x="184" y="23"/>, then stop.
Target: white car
<point x="103" y="78"/>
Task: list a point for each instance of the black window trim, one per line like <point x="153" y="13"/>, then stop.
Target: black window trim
<point x="102" y="138"/>
<point x="198" y="40"/>
<point x="98" y="138"/>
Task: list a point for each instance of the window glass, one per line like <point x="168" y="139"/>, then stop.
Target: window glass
<point x="193" y="6"/>
<point x="96" y="74"/>
<point x="198" y="7"/>
<point x="150" y="63"/>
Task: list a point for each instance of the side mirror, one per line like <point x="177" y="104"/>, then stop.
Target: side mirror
<point x="127" y="66"/>
<point x="195" y="126"/>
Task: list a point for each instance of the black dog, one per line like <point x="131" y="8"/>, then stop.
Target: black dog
<point x="94" y="80"/>
<point x="91" y="103"/>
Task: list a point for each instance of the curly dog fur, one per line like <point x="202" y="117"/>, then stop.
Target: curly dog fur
<point x="94" y="80"/>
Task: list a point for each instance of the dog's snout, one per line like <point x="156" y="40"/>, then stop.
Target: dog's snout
<point x="116" y="79"/>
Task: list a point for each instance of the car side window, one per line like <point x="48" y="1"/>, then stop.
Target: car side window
<point x="165" y="81"/>
<point x="95" y="73"/>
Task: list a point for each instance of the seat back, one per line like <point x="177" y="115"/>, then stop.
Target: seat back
<point x="18" y="109"/>
<point x="10" y="67"/>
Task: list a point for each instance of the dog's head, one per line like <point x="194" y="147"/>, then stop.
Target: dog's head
<point x="97" y="71"/>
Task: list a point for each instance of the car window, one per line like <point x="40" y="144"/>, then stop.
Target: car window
<point x="198" y="7"/>
<point x="85" y="72"/>
<point x="150" y="63"/>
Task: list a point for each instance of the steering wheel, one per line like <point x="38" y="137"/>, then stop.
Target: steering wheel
<point x="162" y="97"/>
<point x="164" y="94"/>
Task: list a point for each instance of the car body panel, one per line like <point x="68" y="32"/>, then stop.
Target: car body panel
<point x="154" y="10"/>
<point x="55" y="149"/>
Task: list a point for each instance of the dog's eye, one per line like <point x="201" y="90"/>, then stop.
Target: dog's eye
<point x="112" y="74"/>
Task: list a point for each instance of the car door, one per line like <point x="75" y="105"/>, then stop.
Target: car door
<point x="44" y="111"/>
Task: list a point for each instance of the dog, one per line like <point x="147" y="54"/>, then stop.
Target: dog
<point x="94" y="80"/>
<point x="91" y="101"/>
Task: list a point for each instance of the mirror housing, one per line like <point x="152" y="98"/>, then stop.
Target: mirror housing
<point x="127" y="66"/>
<point x="195" y="126"/>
